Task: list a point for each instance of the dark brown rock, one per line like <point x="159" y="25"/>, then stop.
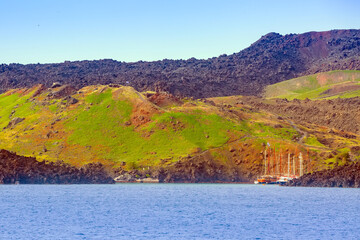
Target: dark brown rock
<point x="61" y="92"/>
<point x="23" y="170"/>
<point x="341" y="176"/>
<point x="200" y="168"/>
<point x="271" y="59"/>
<point x="14" y="121"/>
<point x="70" y="100"/>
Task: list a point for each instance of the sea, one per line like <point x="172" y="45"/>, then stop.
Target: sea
<point x="178" y="211"/>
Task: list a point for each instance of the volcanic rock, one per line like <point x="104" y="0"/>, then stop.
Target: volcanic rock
<point x="56" y="84"/>
<point x="61" y="92"/>
<point x="23" y="170"/>
<point x="341" y="176"/>
<point x="271" y="59"/>
<point x="14" y="121"/>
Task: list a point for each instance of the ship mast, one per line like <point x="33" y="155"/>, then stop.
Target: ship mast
<point x="274" y="162"/>
<point x="280" y="164"/>
<point x="265" y="162"/>
<point x="294" y="172"/>
<point x="268" y="162"/>
<point x="276" y="165"/>
<point x="307" y="162"/>
<point x="301" y="165"/>
<point x="288" y="164"/>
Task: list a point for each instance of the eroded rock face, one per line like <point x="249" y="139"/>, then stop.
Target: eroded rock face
<point x="126" y="177"/>
<point x="192" y="171"/>
<point x="61" y="92"/>
<point x="344" y="176"/>
<point x="196" y="169"/>
<point x="163" y="99"/>
<point x="201" y="168"/>
<point x="27" y="170"/>
<point x="14" y="121"/>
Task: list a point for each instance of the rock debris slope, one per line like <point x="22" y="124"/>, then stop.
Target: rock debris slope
<point x="271" y="59"/>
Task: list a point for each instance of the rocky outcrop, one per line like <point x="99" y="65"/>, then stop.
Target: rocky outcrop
<point x="27" y="170"/>
<point x="271" y="59"/>
<point x="14" y="121"/>
<point x="200" y="168"/>
<point x="61" y="92"/>
<point x="341" y="176"/>
<point x="163" y="99"/>
<point x="125" y="177"/>
<point x="56" y="84"/>
<point x="70" y="100"/>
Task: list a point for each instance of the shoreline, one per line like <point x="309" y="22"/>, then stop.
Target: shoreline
<point x="216" y="182"/>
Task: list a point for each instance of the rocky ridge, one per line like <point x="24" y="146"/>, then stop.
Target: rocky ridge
<point x="271" y="59"/>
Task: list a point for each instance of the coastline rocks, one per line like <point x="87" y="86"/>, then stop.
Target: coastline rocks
<point x="201" y="168"/>
<point x="148" y="180"/>
<point x="126" y="177"/>
<point x="197" y="169"/>
<point x="135" y="176"/>
<point x="27" y="170"/>
<point x="343" y="176"/>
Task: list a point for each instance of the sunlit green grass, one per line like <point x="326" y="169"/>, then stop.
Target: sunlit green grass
<point x="99" y="128"/>
<point x="310" y="86"/>
<point x="313" y="141"/>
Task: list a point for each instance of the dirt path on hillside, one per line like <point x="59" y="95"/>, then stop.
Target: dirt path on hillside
<point x="140" y="96"/>
<point x="303" y="134"/>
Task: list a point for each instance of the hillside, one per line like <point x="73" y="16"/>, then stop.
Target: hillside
<point x="327" y="85"/>
<point x="271" y="59"/>
<point x="173" y="139"/>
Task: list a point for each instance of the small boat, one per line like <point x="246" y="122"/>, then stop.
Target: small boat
<point x="266" y="179"/>
<point x="282" y="180"/>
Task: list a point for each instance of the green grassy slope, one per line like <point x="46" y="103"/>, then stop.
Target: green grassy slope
<point x="103" y="127"/>
<point x="120" y="127"/>
<point x="343" y="84"/>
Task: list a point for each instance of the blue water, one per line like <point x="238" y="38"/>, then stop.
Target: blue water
<point x="177" y="211"/>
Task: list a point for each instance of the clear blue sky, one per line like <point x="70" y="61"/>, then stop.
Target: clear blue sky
<point x="54" y="31"/>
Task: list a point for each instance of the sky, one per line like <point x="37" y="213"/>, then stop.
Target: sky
<point x="51" y="31"/>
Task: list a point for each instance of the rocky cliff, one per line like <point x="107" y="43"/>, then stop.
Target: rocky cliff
<point x="341" y="176"/>
<point x="27" y="170"/>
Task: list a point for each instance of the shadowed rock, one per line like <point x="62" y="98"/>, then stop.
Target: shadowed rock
<point x="14" y="121"/>
<point x="61" y="92"/>
<point x="27" y="170"/>
<point x="342" y="176"/>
